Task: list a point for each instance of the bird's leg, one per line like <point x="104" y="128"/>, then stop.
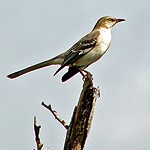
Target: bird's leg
<point x="87" y="72"/>
<point x="81" y="72"/>
<point x="84" y="75"/>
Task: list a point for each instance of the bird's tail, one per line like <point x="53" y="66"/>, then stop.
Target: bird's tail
<point x="54" y="61"/>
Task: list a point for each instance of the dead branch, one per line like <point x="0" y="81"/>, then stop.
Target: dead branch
<point x="81" y="120"/>
<point x="54" y="113"/>
<point x="37" y="138"/>
<point x="82" y="117"/>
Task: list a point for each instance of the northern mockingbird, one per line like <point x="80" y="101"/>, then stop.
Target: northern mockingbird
<point x="86" y="51"/>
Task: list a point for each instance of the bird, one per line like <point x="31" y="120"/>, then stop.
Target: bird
<point x="83" y="53"/>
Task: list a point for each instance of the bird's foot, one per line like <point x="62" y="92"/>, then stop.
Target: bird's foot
<point x="86" y="75"/>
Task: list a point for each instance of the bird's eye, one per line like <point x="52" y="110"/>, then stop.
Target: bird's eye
<point x="110" y="19"/>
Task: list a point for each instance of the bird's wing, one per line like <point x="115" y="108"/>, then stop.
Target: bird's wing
<point x="79" y="49"/>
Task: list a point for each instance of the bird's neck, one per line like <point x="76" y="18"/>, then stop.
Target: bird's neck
<point x="103" y="29"/>
<point x="105" y="37"/>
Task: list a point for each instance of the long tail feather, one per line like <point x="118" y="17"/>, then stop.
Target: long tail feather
<point x="54" y="61"/>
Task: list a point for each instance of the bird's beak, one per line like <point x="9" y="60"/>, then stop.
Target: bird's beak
<point x="120" y="20"/>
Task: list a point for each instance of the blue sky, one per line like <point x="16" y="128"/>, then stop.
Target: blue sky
<point x="33" y="31"/>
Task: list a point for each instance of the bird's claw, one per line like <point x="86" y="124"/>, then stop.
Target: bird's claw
<point x="84" y="77"/>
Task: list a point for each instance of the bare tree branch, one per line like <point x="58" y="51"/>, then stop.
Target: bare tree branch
<point x="37" y="138"/>
<point x="81" y="120"/>
<point x="55" y="115"/>
<point x="82" y="117"/>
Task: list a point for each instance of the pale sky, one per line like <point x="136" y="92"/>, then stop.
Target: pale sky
<point x="32" y="31"/>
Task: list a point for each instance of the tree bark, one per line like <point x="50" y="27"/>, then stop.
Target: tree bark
<point x="82" y="116"/>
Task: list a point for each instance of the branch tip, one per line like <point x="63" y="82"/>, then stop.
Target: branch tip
<point x="54" y="113"/>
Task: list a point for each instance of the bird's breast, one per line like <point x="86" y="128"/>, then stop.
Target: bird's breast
<point x="104" y="39"/>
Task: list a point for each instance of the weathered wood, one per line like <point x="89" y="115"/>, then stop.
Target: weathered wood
<point x="82" y="116"/>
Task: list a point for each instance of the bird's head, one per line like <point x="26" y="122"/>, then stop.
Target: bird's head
<point x="107" y="22"/>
